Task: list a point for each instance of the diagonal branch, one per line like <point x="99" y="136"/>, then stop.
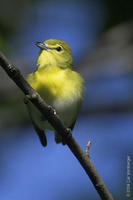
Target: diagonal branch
<point x="48" y="112"/>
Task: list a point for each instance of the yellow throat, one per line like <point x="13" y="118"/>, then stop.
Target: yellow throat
<point x="54" y="52"/>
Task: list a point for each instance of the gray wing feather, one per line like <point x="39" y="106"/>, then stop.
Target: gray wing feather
<point x="40" y="133"/>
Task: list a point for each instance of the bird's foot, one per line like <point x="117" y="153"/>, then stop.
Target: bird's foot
<point x="51" y="110"/>
<point x="33" y="96"/>
<point x="68" y="136"/>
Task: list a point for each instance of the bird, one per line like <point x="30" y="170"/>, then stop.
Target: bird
<point x="58" y="84"/>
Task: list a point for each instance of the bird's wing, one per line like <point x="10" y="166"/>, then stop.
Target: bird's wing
<point x="40" y="133"/>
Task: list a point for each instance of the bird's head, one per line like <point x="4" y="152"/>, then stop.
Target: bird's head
<point x="54" y="52"/>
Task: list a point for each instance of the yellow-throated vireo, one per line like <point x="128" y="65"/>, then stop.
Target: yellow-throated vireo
<point x="57" y="84"/>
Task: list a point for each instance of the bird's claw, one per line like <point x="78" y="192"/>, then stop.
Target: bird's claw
<point x="33" y="96"/>
<point x="68" y="136"/>
<point x="51" y="110"/>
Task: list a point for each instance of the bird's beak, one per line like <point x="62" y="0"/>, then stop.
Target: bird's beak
<point x="41" y="45"/>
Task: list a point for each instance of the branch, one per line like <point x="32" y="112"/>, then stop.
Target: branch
<point x="48" y="112"/>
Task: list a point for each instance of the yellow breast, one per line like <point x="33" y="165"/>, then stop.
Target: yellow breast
<point x="62" y="89"/>
<point x="54" y="83"/>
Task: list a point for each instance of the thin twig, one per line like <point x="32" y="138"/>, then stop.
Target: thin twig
<point x="54" y="120"/>
<point x="88" y="148"/>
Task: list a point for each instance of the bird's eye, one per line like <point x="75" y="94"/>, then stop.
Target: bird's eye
<point x="58" y="48"/>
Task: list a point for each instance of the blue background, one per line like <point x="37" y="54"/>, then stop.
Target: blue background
<point x="29" y="171"/>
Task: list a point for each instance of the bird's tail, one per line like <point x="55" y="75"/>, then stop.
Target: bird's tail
<point x="58" y="138"/>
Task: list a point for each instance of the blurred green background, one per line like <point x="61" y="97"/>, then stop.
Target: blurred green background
<point x="100" y="34"/>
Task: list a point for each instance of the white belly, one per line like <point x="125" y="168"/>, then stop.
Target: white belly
<point x="66" y="109"/>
